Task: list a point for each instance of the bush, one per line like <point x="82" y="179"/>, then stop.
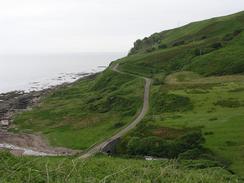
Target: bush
<point x="148" y="50"/>
<point x="162" y="46"/>
<point x="216" y="45"/>
<point x="203" y="37"/>
<point x="133" y="146"/>
<point x="237" y="32"/>
<point x="191" y="154"/>
<point x="170" y="103"/>
<point x="178" y="43"/>
<point x="191" y="140"/>
<point x="229" y="37"/>
<point x="159" y="147"/>
<point x="198" y="52"/>
<point x="229" y="103"/>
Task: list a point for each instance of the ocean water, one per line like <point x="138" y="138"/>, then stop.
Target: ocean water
<point x="35" y="72"/>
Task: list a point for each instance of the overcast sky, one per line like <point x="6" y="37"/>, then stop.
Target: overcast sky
<point x="51" y="26"/>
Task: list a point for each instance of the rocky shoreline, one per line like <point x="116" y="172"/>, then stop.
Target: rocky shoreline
<point x="18" y="101"/>
<point x="15" y="102"/>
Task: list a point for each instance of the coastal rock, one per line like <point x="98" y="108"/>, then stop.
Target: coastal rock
<point x="16" y="101"/>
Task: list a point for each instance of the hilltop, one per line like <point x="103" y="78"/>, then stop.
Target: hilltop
<point x="210" y="47"/>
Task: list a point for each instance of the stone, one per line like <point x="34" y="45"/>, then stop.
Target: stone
<point x="4" y="122"/>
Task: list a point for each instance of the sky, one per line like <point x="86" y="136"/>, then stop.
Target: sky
<point x="71" y="26"/>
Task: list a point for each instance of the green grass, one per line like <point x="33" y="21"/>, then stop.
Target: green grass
<point x="207" y="48"/>
<point x="108" y="169"/>
<point x="228" y="60"/>
<point x="193" y="32"/>
<point x="93" y="109"/>
<point x="215" y="110"/>
<point x="196" y="54"/>
<point x="86" y="112"/>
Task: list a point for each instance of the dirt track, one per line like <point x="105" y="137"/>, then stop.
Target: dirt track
<point x="97" y="148"/>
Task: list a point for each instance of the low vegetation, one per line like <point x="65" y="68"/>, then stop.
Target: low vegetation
<point x="196" y="112"/>
<point x="109" y="169"/>
<point x="86" y="112"/>
<point x="188" y="145"/>
<point x="163" y="102"/>
<point x="203" y="47"/>
<point x="232" y="103"/>
<point x="209" y="108"/>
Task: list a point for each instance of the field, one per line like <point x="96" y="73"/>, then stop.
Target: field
<point x="218" y="105"/>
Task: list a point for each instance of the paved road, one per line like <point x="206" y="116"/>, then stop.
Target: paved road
<point x="97" y="148"/>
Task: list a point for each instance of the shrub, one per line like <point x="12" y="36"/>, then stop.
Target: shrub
<point x="237" y="32"/>
<point x="216" y="45"/>
<point x="170" y="103"/>
<point x="159" y="147"/>
<point x="191" y="154"/>
<point x="208" y="133"/>
<point x="178" y="43"/>
<point x="198" y="52"/>
<point x="229" y="103"/>
<point x="148" y="50"/>
<point x="162" y="46"/>
<point x="203" y="37"/>
<point x="133" y="146"/>
<point x="191" y="140"/>
<point x="228" y="37"/>
<point x="203" y="51"/>
<point x="213" y="119"/>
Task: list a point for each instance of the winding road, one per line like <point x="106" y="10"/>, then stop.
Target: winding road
<point x="98" y="148"/>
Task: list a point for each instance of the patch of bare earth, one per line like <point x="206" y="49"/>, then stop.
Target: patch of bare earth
<point x="32" y="142"/>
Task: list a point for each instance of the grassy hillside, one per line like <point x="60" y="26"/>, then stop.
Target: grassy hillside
<point x="210" y="47"/>
<point x="86" y="112"/>
<point x="108" y="169"/>
<point x="214" y="104"/>
<point x="198" y="86"/>
<point x="194" y="32"/>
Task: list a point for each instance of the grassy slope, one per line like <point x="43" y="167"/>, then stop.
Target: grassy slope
<point x="87" y="112"/>
<point x="28" y="169"/>
<point x="227" y="59"/>
<point x="225" y="124"/>
<point x="76" y="118"/>
<point x="209" y="29"/>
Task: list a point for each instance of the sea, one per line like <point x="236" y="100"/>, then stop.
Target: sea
<point x="28" y="72"/>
